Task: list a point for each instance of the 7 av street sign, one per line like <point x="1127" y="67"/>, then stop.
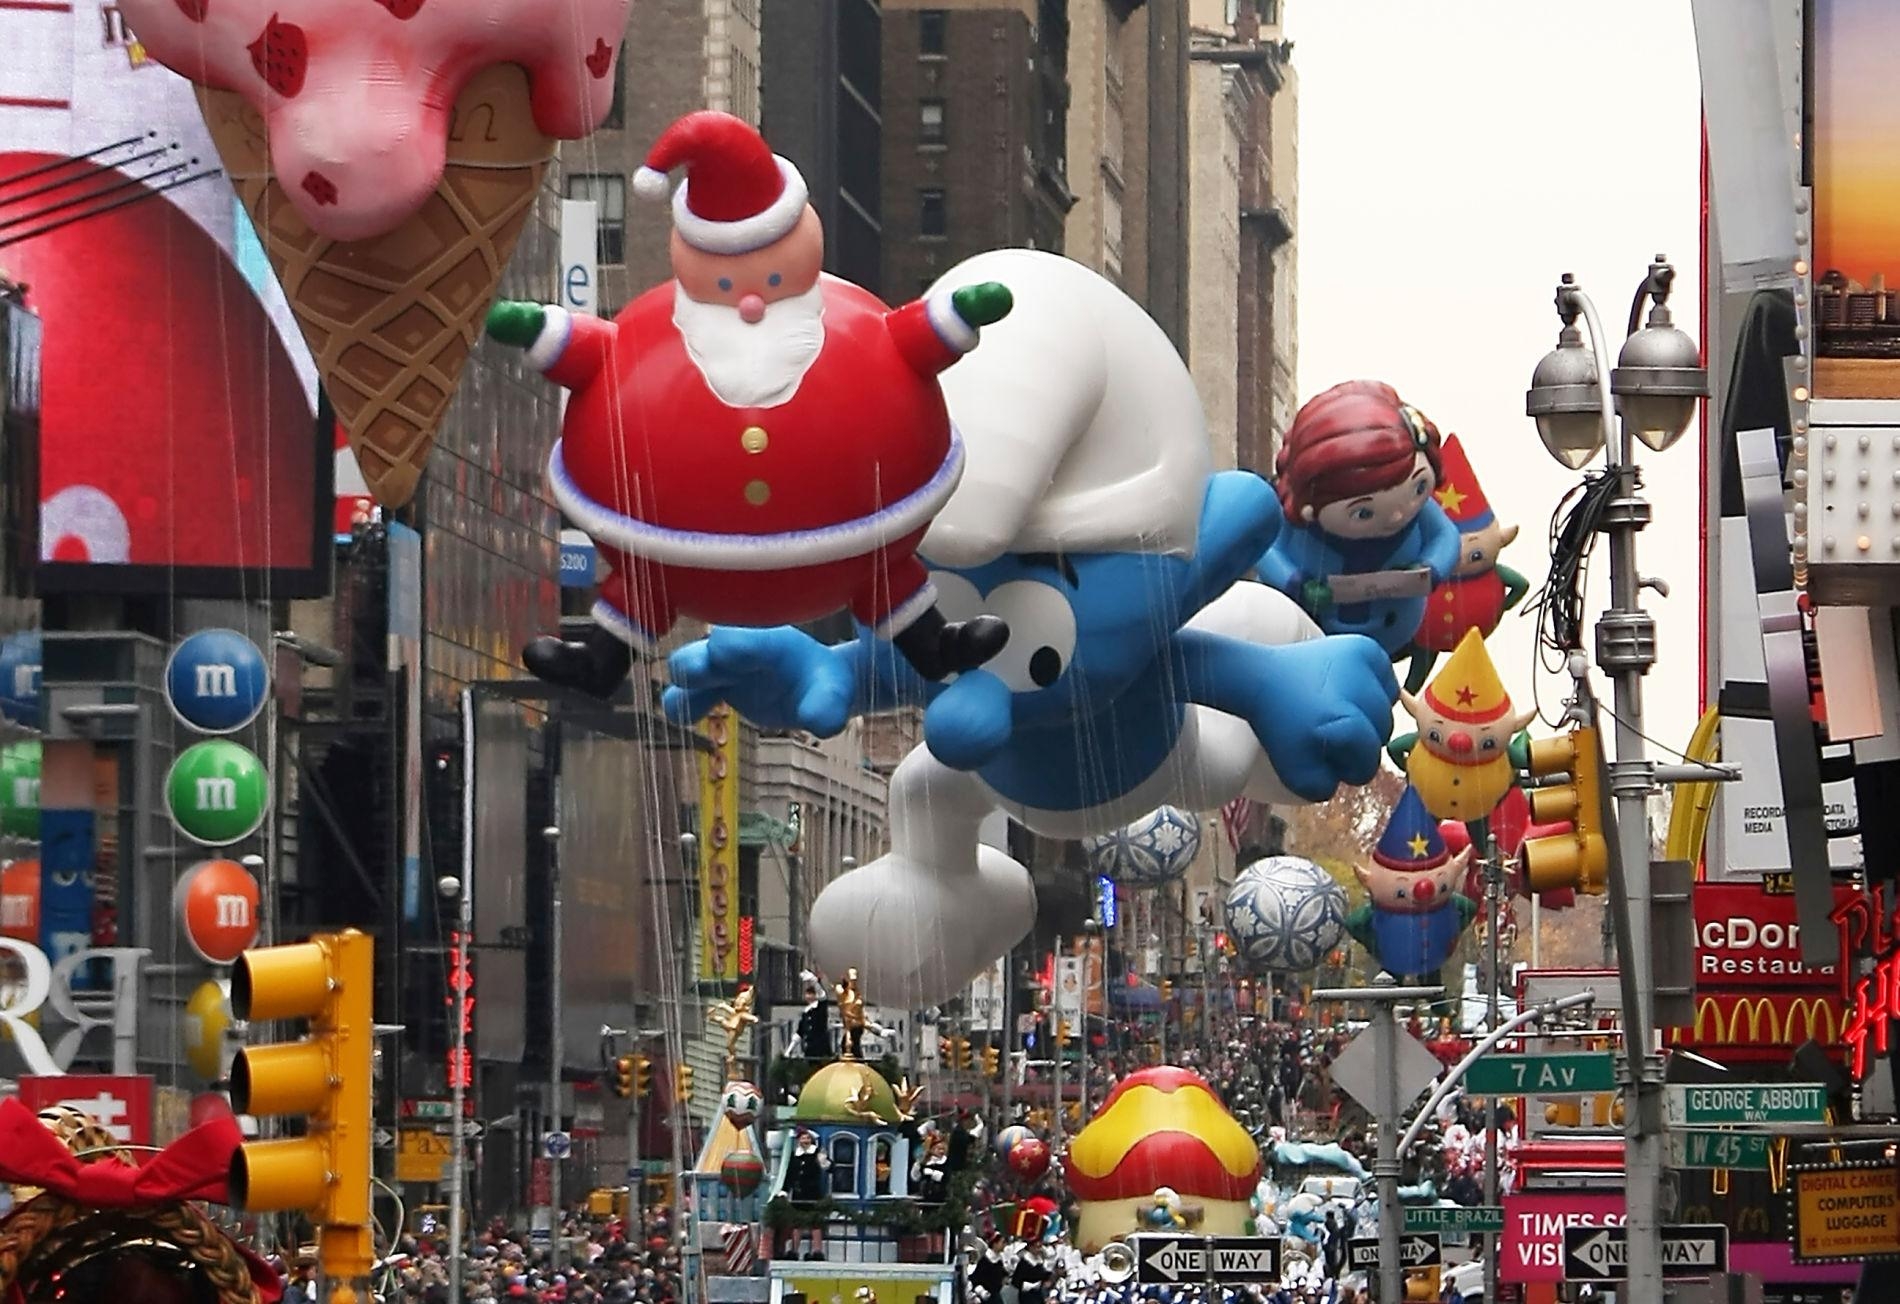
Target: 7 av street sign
<point x="1602" y="1253"/>
<point x="1541" y="1075"/>
<point x="1746" y="1102"/>
<point x="1167" y="1260"/>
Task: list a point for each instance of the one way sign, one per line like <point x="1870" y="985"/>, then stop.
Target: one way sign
<point x="1236" y="1259"/>
<point x="1602" y="1253"/>
<point x="1167" y="1260"/>
<point x="1416" y="1250"/>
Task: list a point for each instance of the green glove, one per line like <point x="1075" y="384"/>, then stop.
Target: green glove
<point x="518" y="324"/>
<point x="982" y="305"/>
<point x="1316" y="595"/>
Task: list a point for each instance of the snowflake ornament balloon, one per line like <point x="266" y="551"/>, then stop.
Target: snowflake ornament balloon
<point x="1155" y="849"/>
<point x="1285" y="913"/>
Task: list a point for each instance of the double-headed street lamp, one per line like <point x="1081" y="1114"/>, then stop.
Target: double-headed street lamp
<point x="1576" y="400"/>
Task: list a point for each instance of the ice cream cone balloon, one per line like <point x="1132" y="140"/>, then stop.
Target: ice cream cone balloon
<point x="389" y="154"/>
<point x="1461" y="765"/>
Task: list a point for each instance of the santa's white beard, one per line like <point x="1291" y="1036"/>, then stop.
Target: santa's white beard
<point x="752" y="364"/>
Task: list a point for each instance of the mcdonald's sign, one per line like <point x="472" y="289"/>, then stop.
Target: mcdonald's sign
<point x="1763" y="1025"/>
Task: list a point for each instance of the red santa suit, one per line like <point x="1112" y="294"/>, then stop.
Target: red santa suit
<point x="756" y="515"/>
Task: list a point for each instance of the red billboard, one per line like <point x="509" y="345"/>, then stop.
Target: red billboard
<point x="1747" y="939"/>
<point x="1534" y="1222"/>
<point x="122" y="1105"/>
<point x="181" y="449"/>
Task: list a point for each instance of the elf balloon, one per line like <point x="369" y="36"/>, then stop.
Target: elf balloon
<point x="754" y="442"/>
<point x="1365" y="540"/>
<point x="1416" y="912"/>
<point x="1138" y="672"/>
<point x="1461" y="764"/>
<point x="1481" y="590"/>
<point x="389" y="154"/>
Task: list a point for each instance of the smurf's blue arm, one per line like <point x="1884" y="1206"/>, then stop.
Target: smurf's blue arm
<point x="1441" y="543"/>
<point x="1240" y="519"/>
<point x="783" y="678"/>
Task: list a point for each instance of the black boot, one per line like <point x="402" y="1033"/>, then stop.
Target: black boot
<point x="936" y="647"/>
<point x="596" y="665"/>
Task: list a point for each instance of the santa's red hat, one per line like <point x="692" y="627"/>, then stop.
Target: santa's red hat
<point x="738" y="195"/>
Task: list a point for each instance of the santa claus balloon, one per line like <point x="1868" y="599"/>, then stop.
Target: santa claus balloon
<point x="755" y="442"/>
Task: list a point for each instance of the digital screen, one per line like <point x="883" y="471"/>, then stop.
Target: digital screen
<point x="181" y="446"/>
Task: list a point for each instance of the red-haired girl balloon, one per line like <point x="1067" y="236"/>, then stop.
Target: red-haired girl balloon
<point x="1365" y="541"/>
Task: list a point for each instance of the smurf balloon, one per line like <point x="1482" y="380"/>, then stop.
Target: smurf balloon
<point x="1416" y="912"/>
<point x="1482" y="589"/>
<point x="754" y="441"/>
<point x="1365" y="541"/>
<point x="1461" y="763"/>
<point x="1138" y="672"/>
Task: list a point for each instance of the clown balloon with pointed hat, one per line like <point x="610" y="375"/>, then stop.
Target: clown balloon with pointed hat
<point x="1416" y="912"/>
<point x="1481" y="590"/>
<point x="1461" y="763"/>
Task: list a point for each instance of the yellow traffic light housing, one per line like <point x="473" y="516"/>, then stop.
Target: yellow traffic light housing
<point x="682" y="1082"/>
<point x="965" y="1053"/>
<point x="947" y="1051"/>
<point x="1167" y="989"/>
<point x="1424" y="1283"/>
<point x="1564" y="1113"/>
<point x="992" y="1061"/>
<point x="329" y="981"/>
<point x="623" y="1076"/>
<point x="642" y="1076"/>
<point x="1580" y="858"/>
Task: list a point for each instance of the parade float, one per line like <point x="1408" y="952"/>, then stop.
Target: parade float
<point x="1162" y="1154"/>
<point x="848" y="1198"/>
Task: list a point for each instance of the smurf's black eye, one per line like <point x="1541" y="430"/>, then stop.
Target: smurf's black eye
<point x="1045" y="666"/>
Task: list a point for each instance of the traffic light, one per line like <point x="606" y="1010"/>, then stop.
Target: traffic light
<point x="1167" y="989"/>
<point x="1564" y="1113"/>
<point x="947" y="1052"/>
<point x="965" y="1057"/>
<point x="623" y="1076"/>
<point x="326" y="1077"/>
<point x="1579" y="858"/>
<point x="992" y="1062"/>
<point x="642" y="1076"/>
<point x="682" y="1082"/>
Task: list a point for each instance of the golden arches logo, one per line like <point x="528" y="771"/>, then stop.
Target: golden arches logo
<point x="1764" y="1021"/>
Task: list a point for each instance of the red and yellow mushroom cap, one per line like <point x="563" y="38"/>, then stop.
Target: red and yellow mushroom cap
<point x="1163" y="1127"/>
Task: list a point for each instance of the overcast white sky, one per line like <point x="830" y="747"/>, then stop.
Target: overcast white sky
<point x="1455" y="158"/>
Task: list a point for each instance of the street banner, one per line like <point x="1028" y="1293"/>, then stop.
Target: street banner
<point x="1070" y="996"/>
<point x="719" y="848"/>
<point x="121" y="1104"/>
<point x="986" y="997"/>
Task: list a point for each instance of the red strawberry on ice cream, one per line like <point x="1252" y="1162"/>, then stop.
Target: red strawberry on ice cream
<point x="360" y="94"/>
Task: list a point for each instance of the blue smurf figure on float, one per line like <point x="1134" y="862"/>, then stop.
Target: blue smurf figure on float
<point x="1365" y="540"/>
<point x="1143" y="667"/>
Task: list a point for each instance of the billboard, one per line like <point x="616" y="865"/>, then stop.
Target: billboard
<point x="180" y="442"/>
<point x="499" y="802"/>
<point x="719" y="848"/>
<point x="1534" y="1222"/>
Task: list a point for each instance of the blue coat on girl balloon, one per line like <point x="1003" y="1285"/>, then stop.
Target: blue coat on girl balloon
<point x="1355" y="477"/>
<point x="1142" y="668"/>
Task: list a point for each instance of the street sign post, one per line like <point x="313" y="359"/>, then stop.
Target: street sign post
<point x="1541" y="1075"/>
<point x="1234" y="1259"/>
<point x="1744" y="1151"/>
<point x="1454" y="1219"/>
<point x="1170" y="1260"/>
<point x="1601" y="1253"/>
<point x="1746" y="1102"/>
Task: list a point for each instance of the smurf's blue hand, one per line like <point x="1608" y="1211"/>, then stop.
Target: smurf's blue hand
<point x="1322" y="709"/>
<point x="780" y="678"/>
<point x="1442" y="545"/>
<point x="970" y="721"/>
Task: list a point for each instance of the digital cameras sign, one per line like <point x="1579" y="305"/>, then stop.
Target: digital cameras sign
<point x="181" y="449"/>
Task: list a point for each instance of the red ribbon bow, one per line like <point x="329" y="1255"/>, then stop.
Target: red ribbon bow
<point x="191" y="1168"/>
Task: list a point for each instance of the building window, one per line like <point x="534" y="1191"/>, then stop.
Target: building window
<point x="931" y="218"/>
<point x="844" y="1164"/>
<point x="932" y="26"/>
<point x="610" y="194"/>
<point x="930" y="122"/>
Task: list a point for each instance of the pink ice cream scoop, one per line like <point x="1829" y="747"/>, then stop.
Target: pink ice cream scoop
<point x="357" y="94"/>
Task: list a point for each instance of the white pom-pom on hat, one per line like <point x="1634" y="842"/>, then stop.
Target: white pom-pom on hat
<point x="649" y="184"/>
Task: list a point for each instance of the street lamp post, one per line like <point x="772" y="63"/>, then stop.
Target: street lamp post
<point x="557" y="1049"/>
<point x="1576" y="400"/>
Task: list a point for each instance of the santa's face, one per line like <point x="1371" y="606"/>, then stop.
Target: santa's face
<point x="752" y="363"/>
<point x="1479" y="549"/>
<point x="752" y="281"/>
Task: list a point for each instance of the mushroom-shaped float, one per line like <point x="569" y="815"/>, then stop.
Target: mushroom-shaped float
<point x="1161" y="1141"/>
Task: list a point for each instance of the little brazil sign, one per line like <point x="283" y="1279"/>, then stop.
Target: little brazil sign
<point x="1454" y="1219"/>
<point x="1698" y="1106"/>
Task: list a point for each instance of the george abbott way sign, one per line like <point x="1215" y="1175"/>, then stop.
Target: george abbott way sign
<point x="47" y="983"/>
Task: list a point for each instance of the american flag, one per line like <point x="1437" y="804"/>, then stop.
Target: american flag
<point x="1235" y="816"/>
<point x="742" y="1248"/>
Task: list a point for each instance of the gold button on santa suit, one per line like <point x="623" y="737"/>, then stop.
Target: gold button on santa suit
<point x="753" y="439"/>
<point x="757" y="492"/>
